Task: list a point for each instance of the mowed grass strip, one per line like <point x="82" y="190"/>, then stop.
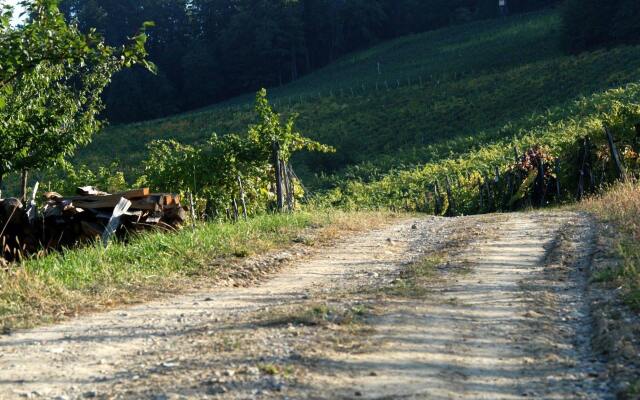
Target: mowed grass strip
<point x="150" y="265"/>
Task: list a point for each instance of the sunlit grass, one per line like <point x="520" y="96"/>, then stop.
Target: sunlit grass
<point x="151" y="264"/>
<point x="620" y="206"/>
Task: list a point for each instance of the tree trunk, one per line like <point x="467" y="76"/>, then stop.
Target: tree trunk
<point x="24" y="178"/>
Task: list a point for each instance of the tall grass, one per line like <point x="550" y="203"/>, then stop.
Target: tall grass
<point x="620" y="206"/>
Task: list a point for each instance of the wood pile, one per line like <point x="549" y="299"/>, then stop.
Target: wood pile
<point x="65" y="222"/>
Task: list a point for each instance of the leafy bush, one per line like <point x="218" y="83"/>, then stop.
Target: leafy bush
<point x="215" y="170"/>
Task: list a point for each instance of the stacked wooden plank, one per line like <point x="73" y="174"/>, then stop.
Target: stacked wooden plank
<point x="17" y="234"/>
<point x="65" y="222"/>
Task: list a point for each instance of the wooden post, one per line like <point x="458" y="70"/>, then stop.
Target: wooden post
<point x="451" y="208"/>
<point x="583" y="149"/>
<point x="622" y="173"/>
<point x="32" y="209"/>
<point x="242" y="198"/>
<point x="541" y="186"/>
<point x="516" y="153"/>
<point x="557" y="170"/>
<point x="508" y="190"/>
<point x="192" y="206"/>
<point x="236" y="213"/>
<point x="438" y="200"/>
<point x="288" y="187"/>
<point x="586" y="168"/>
<point x="490" y="197"/>
<point x="513" y="181"/>
<point x="292" y="187"/>
<point x="496" y="187"/>
<point x="24" y="177"/>
<point x="278" y="176"/>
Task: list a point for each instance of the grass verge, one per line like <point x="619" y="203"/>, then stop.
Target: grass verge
<point x="415" y="279"/>
<point x="620" y="207"/>
<point x="321" y="314"/>
<point x="93" y="278"/>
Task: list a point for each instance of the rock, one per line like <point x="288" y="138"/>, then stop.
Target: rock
<point x="414" y="227"/>
<point x="90" y="394"/>
<point x="533" y="314"/>
<point x="252" y="371"/>
<point x="216" y="390"/>
<point x="628" y="351"/>
<point x="169" y="364"/>
<point x="358" y="393"/>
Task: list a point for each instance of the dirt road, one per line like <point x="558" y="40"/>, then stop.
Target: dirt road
<point x="501" y="317"/>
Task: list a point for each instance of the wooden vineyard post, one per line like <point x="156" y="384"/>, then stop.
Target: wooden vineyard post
<point x="496" y="187"/>
<point x="487" y="186"/>
<point x="508" y="195"/>
<point x="288" y="187"/>
<point x="481" y="193"/>
<point x="278" y="176"/>
<point x="291" y="187"/>
<point x="192" y="208"/>
<point x="24" y="178"/>
<point x="622" y="173"/>
<point x="516" y="153"/>
<point x="557" y="171"/>
<point x="540" y="181"/>
<point x="242" y="198"/>
<point x="438" y="200"/>
<point x="451" y="208"/>
<point x="236" y="212"/>
<point x="585" y="151"/>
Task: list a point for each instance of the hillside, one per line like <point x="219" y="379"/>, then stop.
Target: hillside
<point x="433" y="95"/>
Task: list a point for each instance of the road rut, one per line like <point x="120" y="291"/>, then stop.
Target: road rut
<point x="506" y="318"/>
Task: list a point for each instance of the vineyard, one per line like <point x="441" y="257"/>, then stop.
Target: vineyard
<point x="560" y="159"/>
<point x="422" y="98"/>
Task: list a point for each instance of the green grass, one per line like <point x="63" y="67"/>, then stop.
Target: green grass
<point x="416" y="278"/>
<point x="41" y="290"/>
<point x="321" y="314"/>
<point x="460" y="89"/>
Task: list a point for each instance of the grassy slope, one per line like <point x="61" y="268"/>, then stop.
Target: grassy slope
<point x="479" y="81"/>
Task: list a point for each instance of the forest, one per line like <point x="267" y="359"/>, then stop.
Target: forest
<point x="211" y="50"/>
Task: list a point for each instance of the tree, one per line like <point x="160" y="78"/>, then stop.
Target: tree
<point x="51" y="78"/>
<point x="590" y="23"/>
